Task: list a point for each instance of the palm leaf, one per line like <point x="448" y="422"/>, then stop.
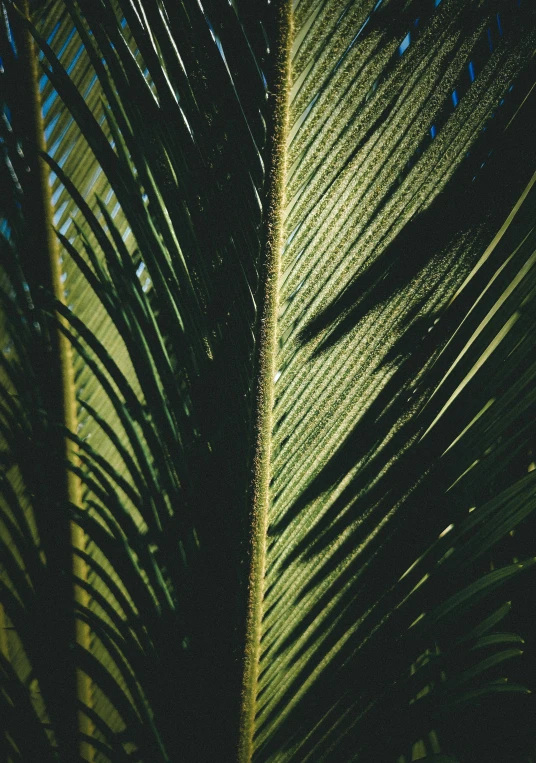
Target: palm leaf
<point x="297" y="255"/>
<point x="381" y="233"/>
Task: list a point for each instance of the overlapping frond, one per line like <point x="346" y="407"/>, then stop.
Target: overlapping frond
<point x="155" y="125"/>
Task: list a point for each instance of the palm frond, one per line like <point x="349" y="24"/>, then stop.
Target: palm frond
<point x="304" y="305"/>
<point x="155" y="356"/>
<point x="409" y="145"/>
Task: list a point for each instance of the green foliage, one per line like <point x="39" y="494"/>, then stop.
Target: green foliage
<point x="396" y="557"/>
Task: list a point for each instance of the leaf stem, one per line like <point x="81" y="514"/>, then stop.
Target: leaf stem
<point x="41" y="264"/>
<point x="274" y="233"/>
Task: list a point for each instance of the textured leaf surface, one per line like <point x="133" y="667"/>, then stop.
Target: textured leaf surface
<point x="398" y="558"/>
<point x="408" y="148"/>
